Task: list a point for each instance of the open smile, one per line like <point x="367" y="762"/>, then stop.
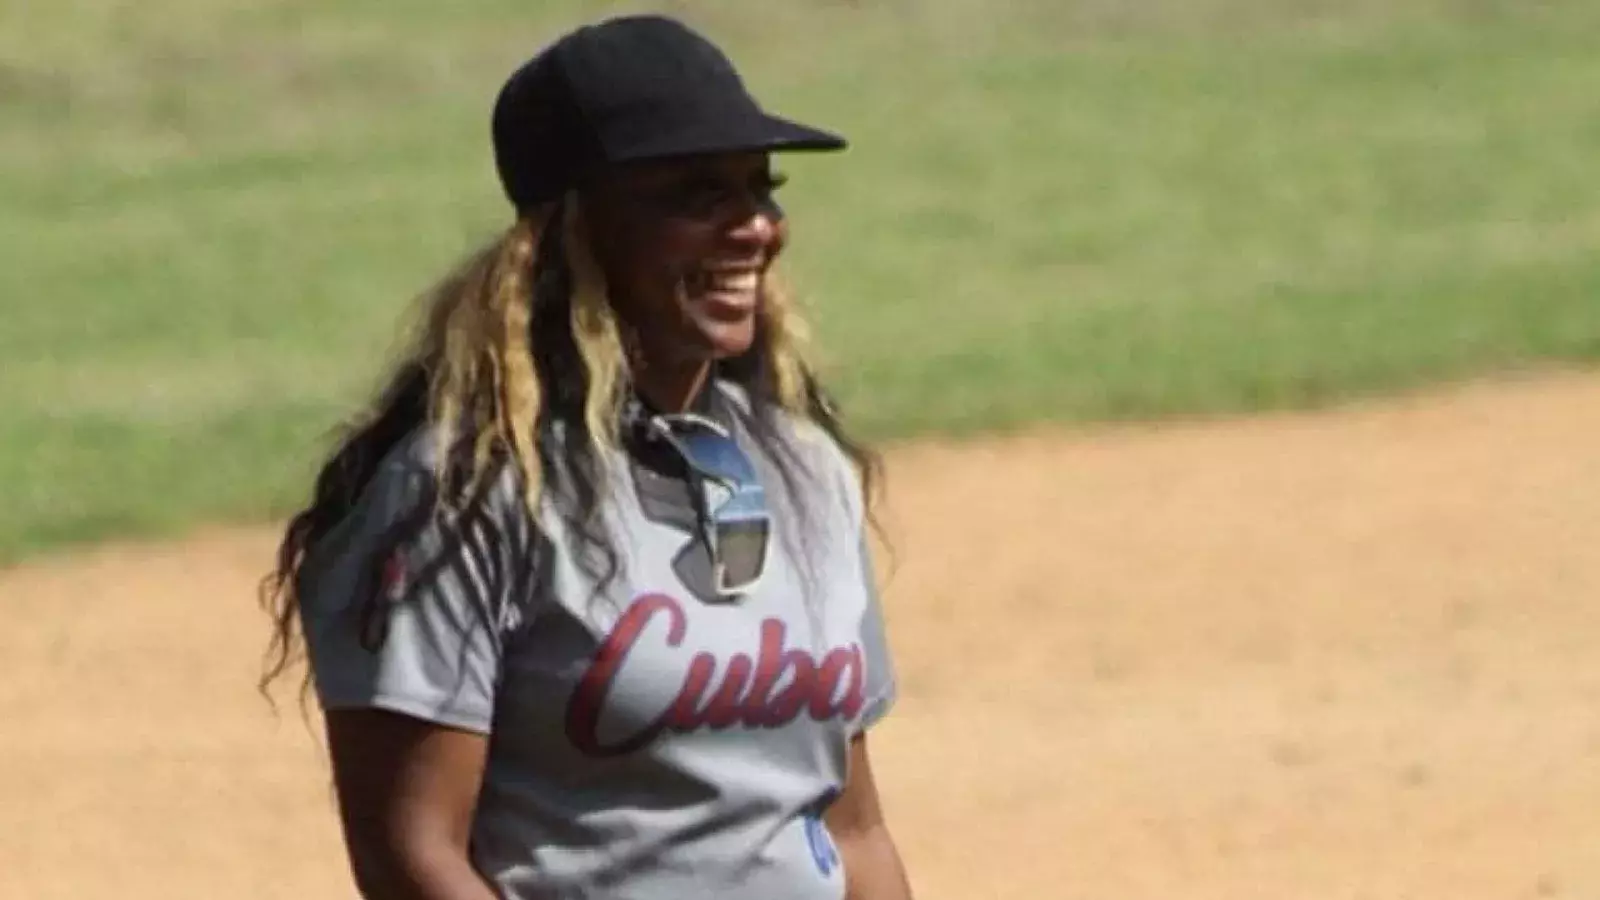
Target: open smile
<point x="724" y="281"/>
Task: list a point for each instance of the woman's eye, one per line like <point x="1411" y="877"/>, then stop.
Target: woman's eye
<point x="699" y="196"/>
<point x="707" y="197"/>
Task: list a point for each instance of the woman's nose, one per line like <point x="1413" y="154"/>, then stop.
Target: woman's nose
<point x="757" y="223"/>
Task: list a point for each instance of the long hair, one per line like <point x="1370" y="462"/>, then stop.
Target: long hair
<point x="518" y="362"/>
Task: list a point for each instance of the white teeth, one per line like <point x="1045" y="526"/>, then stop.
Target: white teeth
<point x="742" y="282"/>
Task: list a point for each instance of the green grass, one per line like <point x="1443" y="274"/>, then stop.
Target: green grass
<point x="212" y="215"/>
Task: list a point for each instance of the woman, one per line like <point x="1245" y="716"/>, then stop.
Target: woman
<point x="586" y="599"/>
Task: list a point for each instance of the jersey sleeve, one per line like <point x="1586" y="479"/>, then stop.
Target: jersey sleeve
<point x="435" y="610"/>
<point x="880" y="682"/>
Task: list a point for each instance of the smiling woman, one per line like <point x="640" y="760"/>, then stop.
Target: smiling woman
<point x="685" y="245"/>
<point x="587" y="597"/>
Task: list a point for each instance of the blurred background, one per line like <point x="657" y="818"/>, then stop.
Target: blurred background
<point x="216" y="211"/>
<point x="1162" y="232"/>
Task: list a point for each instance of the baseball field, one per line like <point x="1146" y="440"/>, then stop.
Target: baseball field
<point x="1235" y="361"/>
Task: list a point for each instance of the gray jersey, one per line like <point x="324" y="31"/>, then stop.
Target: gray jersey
<point x="648" y="742"/>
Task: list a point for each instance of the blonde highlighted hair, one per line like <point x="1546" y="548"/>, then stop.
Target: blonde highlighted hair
<point x="519" y="338"/>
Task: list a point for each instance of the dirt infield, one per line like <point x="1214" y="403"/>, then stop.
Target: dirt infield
<point x="1344" y="655"/>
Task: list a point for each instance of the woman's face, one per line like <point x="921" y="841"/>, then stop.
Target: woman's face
<point x="685" y="245"/>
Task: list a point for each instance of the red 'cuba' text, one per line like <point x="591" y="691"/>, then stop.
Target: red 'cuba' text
<point x="743" y="692"/>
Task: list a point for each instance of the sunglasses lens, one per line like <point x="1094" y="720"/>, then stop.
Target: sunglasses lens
<point x="735" y="505"/>
<point x="741" y="554"/>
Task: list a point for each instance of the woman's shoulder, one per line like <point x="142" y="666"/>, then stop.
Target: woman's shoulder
<point x="402" y="496"/>
<point x="807" y="442"/>
<point x="415" y="467"/>
<point x="409" y="475"/>
<point x="797" y="431"/>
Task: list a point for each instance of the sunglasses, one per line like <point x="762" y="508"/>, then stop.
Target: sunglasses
<point x="706" y="199"/>
<point x="729" y="500"/>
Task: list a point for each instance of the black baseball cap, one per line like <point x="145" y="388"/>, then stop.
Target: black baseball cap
<point x="622" y="90"/>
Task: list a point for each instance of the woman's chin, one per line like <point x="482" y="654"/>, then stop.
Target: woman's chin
<point x="725" y="340"/>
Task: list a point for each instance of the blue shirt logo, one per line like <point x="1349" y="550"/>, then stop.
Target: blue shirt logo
<point x="822" y="849"/>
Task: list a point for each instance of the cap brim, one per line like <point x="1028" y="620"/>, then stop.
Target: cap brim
<point x="759" y="132"/>
<point x="787" y="134"/>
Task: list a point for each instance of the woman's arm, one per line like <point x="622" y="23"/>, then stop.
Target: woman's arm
<point x="407" y="789"/>
<point x="872" y="865"/>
